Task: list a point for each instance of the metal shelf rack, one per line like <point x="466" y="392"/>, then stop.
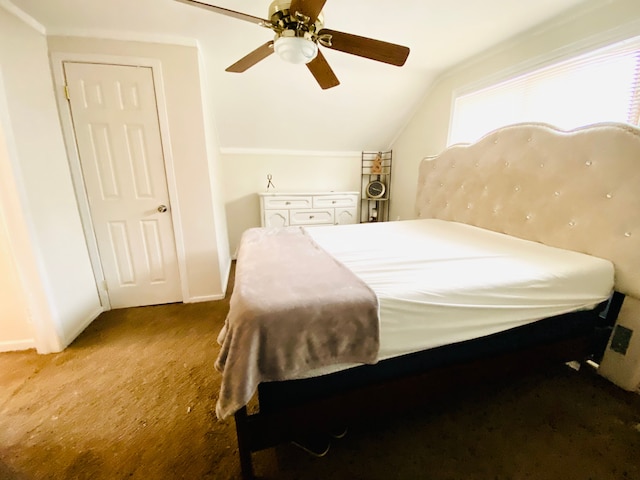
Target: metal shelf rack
<point x="375" y="166"/>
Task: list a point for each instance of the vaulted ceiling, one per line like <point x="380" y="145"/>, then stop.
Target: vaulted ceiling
<point x="275" y="105"/>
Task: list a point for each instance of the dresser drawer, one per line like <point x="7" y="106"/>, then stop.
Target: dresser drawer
<point x="275" y="218"/>
<point x="292" y="201"/>
<point x="337" y="200"/>
<point x="346" y="216"/>
<point x="311" y="217"/>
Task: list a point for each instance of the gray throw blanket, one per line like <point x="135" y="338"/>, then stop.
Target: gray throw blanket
<point x="294" y="308"/>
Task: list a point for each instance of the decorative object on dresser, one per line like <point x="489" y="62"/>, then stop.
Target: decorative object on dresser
<point x="269" y="182"/>
<point x="308" y="208"/>
<point x="376" y="181"/>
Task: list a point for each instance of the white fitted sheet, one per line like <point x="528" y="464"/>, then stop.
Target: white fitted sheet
<point x="442" y="282"/>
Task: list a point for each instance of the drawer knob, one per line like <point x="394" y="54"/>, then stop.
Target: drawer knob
<point x="287" y="203"/>
<point x="311" y="216"/>
<point x="333" y="201"/>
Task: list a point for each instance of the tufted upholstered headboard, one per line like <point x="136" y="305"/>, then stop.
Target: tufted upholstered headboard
<point x="577" y="190"/>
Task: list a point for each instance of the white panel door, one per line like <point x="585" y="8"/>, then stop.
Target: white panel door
<point x="117" y="132"/>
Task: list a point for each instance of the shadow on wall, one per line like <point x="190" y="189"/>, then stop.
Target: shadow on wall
<point x="244" y="213"/>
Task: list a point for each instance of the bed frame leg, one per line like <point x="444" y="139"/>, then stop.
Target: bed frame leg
<point x="244" y="450"/>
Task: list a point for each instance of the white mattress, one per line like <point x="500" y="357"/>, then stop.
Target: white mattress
<point x="442" y="282"/>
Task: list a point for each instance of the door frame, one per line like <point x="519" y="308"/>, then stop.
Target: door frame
<point x="64" y="107"/>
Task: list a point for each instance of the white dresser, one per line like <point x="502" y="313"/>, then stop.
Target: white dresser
<point x="310" y="208"/>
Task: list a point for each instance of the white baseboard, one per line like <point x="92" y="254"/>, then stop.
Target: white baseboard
<point x="15" y="345"/>
<point x="204" y="298"/>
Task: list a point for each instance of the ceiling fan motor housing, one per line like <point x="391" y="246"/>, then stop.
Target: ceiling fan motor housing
<point x="295" y="36"/>
<point x="279" y="10"/>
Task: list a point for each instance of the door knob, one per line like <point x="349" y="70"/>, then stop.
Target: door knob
<point x="162" y="208"/>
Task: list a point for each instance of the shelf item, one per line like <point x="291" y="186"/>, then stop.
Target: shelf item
<point x="375" y="187"/>
<point x="308" y="208"/>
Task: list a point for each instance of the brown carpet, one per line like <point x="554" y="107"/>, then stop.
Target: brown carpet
<point x="134" y="396"/>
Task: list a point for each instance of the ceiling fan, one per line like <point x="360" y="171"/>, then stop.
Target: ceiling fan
<point x="299" y="28"/>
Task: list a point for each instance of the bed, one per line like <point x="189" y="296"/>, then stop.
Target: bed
<point x="521" y="255"/>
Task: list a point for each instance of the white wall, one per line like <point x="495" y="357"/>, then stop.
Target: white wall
<point x="195" y="159"/>
<point x="16" y="332"/>
<point x="215" y="177"/>
<point x="592" y="24"/>
<point x="245" y="174"/>
<point x="56" y="276"/>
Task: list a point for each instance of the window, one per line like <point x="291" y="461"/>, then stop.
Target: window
<point x="600" y="86"/>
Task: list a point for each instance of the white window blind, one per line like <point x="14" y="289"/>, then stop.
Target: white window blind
<point x="601" y="86"/>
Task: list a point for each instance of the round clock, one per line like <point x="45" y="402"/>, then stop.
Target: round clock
<point x="375" y="189"/>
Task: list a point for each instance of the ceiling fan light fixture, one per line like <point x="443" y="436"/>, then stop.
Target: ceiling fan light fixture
<point x="296" y="49"/>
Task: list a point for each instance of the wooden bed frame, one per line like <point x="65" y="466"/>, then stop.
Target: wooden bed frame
<point x="530" y="181"/>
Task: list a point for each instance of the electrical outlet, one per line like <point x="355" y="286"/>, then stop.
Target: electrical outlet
<point x="620" y="339"/>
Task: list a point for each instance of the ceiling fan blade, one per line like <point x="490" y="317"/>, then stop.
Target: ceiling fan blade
<point x="310" y="8"/>
<point x="322" y="72"/>
<point x="230" y="13"/>
<point x="366" y="47"/>
<point x="252" y="58"/>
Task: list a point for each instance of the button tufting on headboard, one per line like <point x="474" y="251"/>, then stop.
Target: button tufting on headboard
<point x="578" y="190"/>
